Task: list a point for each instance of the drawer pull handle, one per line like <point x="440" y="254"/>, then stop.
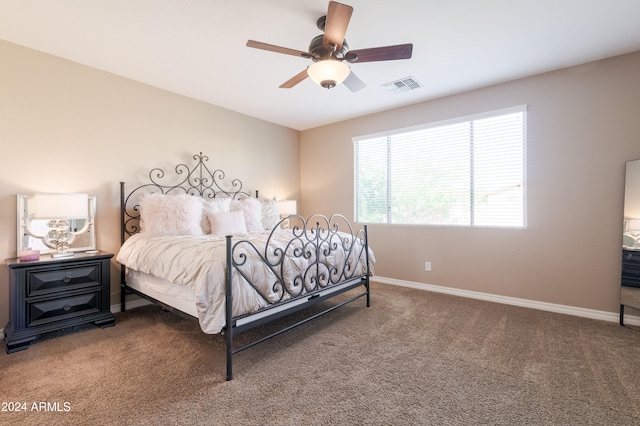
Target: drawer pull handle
<point x="67" y="278"/>
<point x="66" y="307"/>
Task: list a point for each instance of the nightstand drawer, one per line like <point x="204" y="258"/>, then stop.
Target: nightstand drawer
<point x="58" y="309"/>
<point x="53" y="280"/>
<point x="631" y="257"/>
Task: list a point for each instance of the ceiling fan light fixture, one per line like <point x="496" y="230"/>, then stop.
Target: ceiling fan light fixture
<point x="331" y="55"/>
<point x="328" y="73"/>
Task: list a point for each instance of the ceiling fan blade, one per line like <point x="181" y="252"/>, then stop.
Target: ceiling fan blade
<point x="335" y="27"/>
<point x="277" y="49"/>
<point x="353" y="83"/>
<point x="386" y="53"/>
<point x="294" y="80"/>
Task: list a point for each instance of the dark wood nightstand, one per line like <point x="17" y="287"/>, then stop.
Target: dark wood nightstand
<point x="52" y="294"/>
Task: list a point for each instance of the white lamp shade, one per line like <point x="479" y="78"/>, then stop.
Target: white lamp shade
<point x="61" y="206"/>
<point x="287" y="207"/>
<point x="328" y="70"/>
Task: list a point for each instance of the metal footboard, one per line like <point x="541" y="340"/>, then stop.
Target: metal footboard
<point x="315" y="241"/>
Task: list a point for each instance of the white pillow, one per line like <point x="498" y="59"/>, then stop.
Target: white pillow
<point x="171" y="214"/>
<point x="216" y="205"/>
<point x="270" y="213"/>
<point x="252" y="211"/>
<point x="225" y="223"/>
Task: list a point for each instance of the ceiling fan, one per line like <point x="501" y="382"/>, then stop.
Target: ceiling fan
<point x="330" y="51"/>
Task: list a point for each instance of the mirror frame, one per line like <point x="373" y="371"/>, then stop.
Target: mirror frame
<point x="22" y="205"/>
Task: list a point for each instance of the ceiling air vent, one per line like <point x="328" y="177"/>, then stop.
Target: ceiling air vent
<point x="402" y="85"/>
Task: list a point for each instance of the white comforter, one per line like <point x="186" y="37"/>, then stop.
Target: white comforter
<point x="199" y="262"/>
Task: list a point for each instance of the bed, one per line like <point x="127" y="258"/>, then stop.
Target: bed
<point x="199" y="245"/>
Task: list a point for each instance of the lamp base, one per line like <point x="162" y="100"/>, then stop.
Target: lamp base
<point x="58" y="255"/>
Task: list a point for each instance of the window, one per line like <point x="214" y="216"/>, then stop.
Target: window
<point x="468" y="171"/>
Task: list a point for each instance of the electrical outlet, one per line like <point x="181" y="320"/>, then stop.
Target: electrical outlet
<point x="427" y="266"/>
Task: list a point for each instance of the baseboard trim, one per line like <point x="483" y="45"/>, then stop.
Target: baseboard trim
<point x="116" y="308"/>
<point x="525" y="303"/>
<point x="131" y="304"/>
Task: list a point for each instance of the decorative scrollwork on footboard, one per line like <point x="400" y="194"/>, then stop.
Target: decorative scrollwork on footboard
<point x="314" y="254"/>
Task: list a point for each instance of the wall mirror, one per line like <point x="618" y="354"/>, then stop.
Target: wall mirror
<point x="81" y="242"/>
<point x="630" y="279"/>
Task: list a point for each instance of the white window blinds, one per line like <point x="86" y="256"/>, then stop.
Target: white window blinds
<point x="468" y="171"/>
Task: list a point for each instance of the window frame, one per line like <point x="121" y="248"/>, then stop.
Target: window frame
<point x="441" y="123"/>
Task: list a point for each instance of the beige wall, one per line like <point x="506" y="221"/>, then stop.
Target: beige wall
<point x="583" y="124"/>
<point x="70" y="128"/>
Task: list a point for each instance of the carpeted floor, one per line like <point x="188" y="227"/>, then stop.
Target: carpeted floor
<point x="413" y="358"/>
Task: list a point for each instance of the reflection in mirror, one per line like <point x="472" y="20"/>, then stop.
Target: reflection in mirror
<point x="631" y="224"/>
<point x="83" y="239"/>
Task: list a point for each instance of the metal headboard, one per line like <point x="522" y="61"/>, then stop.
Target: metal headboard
<point x="196" y="179"/>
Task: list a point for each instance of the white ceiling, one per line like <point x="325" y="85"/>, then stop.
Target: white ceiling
<point x="197" y="47"/>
